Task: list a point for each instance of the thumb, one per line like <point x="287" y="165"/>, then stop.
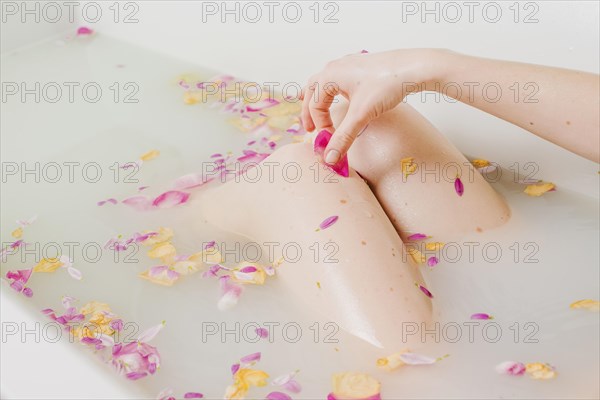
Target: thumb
<point x="354" y="122"/>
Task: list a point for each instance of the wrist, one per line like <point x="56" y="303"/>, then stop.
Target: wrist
<point x="441" y="66"/>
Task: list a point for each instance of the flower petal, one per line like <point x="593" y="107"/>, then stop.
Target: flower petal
<point x="193" y="395"/>
<point x="277" y="396"/>
<point x="591" y="305"/>
<point x="328" y="222"/>
<point x="170" y="199"/>
<point x="416" y="359"/>
<point x="481" y="316"/>
<point x="539" y="189"/>
<point x="458" y="186"/>
<point x="321" y="141"/>
<point x="424" y="290"/>
<point x="511" y="368"/>
<point x="432" y="261"/>
<point x="416" y="236"/>
<point x="150" y="333"/>
<point x="140" y="203"/>
<point x="251" y="358"/>
<point x="75" y="273"/>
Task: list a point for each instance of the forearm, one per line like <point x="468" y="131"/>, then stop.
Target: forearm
<point x="559" y="105"/>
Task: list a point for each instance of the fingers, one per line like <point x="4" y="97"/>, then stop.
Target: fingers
<point x="307" y="95"/>
<point x="324" y="95"/>
<point x="351" y="126"/>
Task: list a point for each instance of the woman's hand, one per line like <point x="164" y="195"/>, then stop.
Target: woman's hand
<point x="373" y="83"/>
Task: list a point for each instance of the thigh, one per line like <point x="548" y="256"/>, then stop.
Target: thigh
<point x="355" y="271"/>
<point x="426" y="200"/>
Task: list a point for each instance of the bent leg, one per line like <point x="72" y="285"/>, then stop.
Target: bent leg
<point x="425" y="201"/>
<point x="355" y="271"/>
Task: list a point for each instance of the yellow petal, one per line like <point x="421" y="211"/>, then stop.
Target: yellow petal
<point x="17" y="233"/>
<point x="192" y="97"/>
<point x="592" y="305"/>
<point x="150" y="155"/>
<point x="185" y="267"/>
<point x="408" y="166"/>
<point x="94" y="307"/>
<point x="275" y="138"/>
<point x="162" y="250"/>
<point x="162" y="235"/>
<point x="392" y="362"/>
<point x="209" y="256"/>
<point x="417" y="256"/>
<point x="538" y="189"/>
<point x="161" y="279"/>
<point x="236" y="392"/>
<point x="252" y="377"/>
<point x="354" y="385"/>
<point x="480" y="163"/>
<point x="48" y="265"/>
<point x="540" y="371"/>
<point x="434" y="246"/>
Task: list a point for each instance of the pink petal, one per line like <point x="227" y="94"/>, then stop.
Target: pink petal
<point x="209" y="245"/>
<point x="116" y="324"/>
<point x="157" y="270"/>
<point x="67" y="301"/>
<point x="249" y="269"/>
<point x="231" y="293"/>
<point x="250" y="358"/>
<point x="416" y="236"/>
<point x="278" y="396"/>
<point x="261" y="105"/>
<point x="193" y="395"/>
<point x="363" y="51"/>
<point x="432" y="261"/>
<point x="511" y="368"/>
<point x="321" y="141"/>
<point x="140" y="203"/>
<point x="292" y="386"/>
<point x="416" y="359"/>
<point x="190" y="181"/>
<point x="458" y="186"/>
<point x="262" y="333"/>
<point x="89" y="340"/>
<point x="151" y="333"/>
<point x="75" y="273"/>
<point x="26" y="222"/>
<point x="111" y="200"/>
<point x="481" y="316"/>
<point x="425" y="290"/>
<point x="84" y="31"/>
<point x="17" y="285"/>
<point x="235" y="368"/>
<point x="27" y="292"/>
<point x="331" y="396"/>
<point x="328" y="222"/>
<point x="135" y="375"/>
<point x="170" y="199"/>
<point x="142" y="188"/>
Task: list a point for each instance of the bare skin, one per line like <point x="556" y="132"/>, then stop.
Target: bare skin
<point x="362" y="270"/>
<point x="423" y="202"/>
<point x="353" y="272"/>
<point x="556" y="104"/>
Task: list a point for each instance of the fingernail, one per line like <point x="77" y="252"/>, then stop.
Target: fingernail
<point x="333" y="156"/>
